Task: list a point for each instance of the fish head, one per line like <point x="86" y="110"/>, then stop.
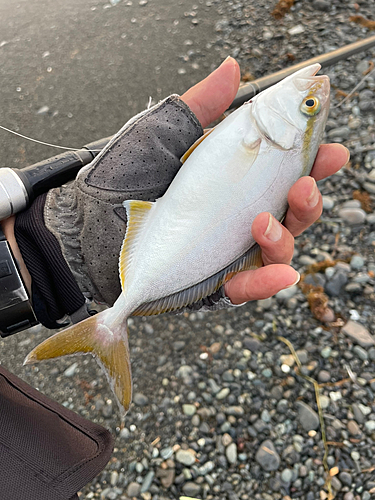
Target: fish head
<point x="292" y="114"/>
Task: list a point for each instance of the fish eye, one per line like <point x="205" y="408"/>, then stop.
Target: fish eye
<point x="310" y="105"/>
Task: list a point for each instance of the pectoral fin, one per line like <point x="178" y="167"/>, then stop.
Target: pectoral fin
<point x="195" y="145"/>
<point x="244" y="161"/>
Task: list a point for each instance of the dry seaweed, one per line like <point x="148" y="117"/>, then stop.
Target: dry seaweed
<point x="281" y="8"/>
<point x="318" y="267"/>
<point x="366" y="23"/>
<point x="317" y="299"/>
<point x="247" y="77"/>
<point x="318" y="304"/>
<point x="365" y="199"/>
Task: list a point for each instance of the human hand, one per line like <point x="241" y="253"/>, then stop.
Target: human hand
<point x="87" y="221"/>
<point x="208" y="100"/>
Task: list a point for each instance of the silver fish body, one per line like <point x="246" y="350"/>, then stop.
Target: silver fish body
<point x="185" y="245"/>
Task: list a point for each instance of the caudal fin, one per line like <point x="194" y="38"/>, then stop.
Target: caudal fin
<point x="103" y="337"/>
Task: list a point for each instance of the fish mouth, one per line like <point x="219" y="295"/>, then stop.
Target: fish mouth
<point x="306" y="79"/>
<point x="277" y="111"/>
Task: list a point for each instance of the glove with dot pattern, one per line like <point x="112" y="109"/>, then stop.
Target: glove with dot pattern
<point x="86" y="216"/>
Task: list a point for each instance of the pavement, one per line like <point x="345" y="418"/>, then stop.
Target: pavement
<point x="73" y="72"/>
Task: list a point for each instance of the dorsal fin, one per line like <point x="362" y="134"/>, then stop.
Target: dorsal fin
<point x="252" y="259"/>
<point x="195" y="145"/>
<point x="136" y="212"/>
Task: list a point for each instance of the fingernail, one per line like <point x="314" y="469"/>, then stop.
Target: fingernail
<point x="225" y="60"/>
<point x="348" y="159"/>
<point x="313" y="199"/>
<point x="274" y="230"/>
<point x="298" y="277"/>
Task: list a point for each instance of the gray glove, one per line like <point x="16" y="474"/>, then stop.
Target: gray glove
<point x="86" y="216"/>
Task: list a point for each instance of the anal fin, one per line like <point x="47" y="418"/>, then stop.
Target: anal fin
<point x="252" y="259"/>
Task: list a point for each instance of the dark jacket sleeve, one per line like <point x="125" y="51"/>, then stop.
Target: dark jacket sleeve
<point x="47" y="452"/>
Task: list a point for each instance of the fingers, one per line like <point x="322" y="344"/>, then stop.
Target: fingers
<point x="305" y="205"/>
<point x="330" y="158"/>
<point x="305" y="201"/>
<point x="209" y="98"/>
<point x="275" y="240"/>
<point x="277" y="246"/>
<point x="261" y="283"/>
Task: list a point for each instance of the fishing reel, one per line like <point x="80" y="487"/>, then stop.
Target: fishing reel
<point x="18" y="188"/>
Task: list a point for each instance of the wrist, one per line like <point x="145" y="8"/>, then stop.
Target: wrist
<point x="7" y="226"/>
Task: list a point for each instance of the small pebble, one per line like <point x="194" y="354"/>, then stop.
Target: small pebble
<point x="133" y="490"/>
<point x="296" y="30"/>
<point x="358" y="333"/>
<point x="223" y="393"/>
<point x="357" y="262"/>
<point x="267" y="457"/>
<point x="335" y="396"/>
<point x="353" y="216"/>
<point x="191" y="489"/>
<point x="287" y="475"/>
<point x="326" y="352"/>
<point x="287" y="293"/>
<point x="185" y="457"/>
<point x="140" y="399"/>
<point x="324" y="376"/>
<point x="308" y="417"/>
<point x="189" y="409"/>
<point x="360" y="352"/>
<point x="370" y="425"/>
<point x="328" y="203"/>
<point x="353" y="428"/>
<point x="231" y="453"/>
<point x="69" y="372"/>
<point x="345" y="478"/>
<point x="322" y="5"/>
<point x="226" y="439"/>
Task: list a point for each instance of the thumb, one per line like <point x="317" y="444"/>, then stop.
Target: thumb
<point x="209" y="98"/>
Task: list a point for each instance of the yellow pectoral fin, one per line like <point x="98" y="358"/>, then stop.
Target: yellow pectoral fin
<point x="105" y="340"/>
<point x="195" y="145"/>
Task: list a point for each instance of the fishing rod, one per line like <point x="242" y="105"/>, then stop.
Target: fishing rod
<point x="246" y="92"/>
<point x="19" y="187"/>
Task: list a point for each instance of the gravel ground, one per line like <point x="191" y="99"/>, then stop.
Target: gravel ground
<point x="221" y="410"/>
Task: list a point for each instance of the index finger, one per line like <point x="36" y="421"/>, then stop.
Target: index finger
<point x="330" y="158"/>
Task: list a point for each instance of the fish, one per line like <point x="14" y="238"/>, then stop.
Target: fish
<point x="185" y="245"/>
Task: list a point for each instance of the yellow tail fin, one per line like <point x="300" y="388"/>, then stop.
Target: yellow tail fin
<point x="103" y="336"/>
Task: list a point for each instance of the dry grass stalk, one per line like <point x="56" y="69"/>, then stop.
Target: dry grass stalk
<point x="327" y="485"/>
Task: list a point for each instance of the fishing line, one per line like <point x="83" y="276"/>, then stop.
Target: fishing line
<point x="41" y="142"/>
<point x="149" y="104"/>
<point x="355" y="88"/>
